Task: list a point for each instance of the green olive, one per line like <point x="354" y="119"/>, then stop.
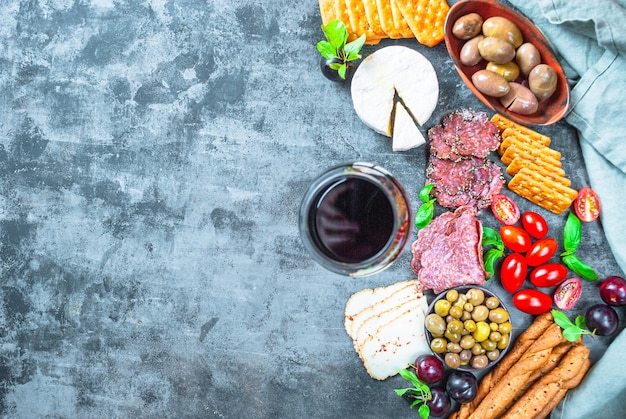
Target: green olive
<point x="452" y="295"/>
<point x="451" y="336"/>
<point x="438" y="345"/>
<point x="456" y="311"/>
<point x="505" y="327"/>
<point x="477" y="349"/>
<point x="469" y="325"/>
<point x="480" y="313"/>
<point x="510" y="70"/>
<point x="497" y="50"/>
<point x="475" y="296"/>
<point x="467" y="342"/>
<point x="527" y="57"/>
<point x="482" y="331"/>
<point x="442" y="307"/>
<point x="495" y="336"/>
<point x="466" y="315"/>
<point x="467" y="26"/>
<point x="492" y="302"/>
<point x="542" y="81"/>
<point x="504" y="341"/>
<point x="479" y="362"/>
<point x="488" y="345"/>
<point x="493" y="355"/>
<point x="454" y="347"/>
<point x="452" y="360"/>
<point x="465" y="356"/>
<point x="499" y="315"/>
<point x="502" y="28"/>
<point x="435" y="324"/>
<point x="455" y="326"/>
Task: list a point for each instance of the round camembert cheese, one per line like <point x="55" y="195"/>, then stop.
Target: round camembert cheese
<point x="389" y="71"/>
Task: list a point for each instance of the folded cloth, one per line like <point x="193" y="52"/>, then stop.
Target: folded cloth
<point x="591" y="41"/>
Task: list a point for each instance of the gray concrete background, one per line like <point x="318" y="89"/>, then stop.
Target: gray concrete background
<point x="153" y="155"/>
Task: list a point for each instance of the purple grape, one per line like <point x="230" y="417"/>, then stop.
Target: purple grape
<point x="462" y="386"/>
<point x="440" y="403"/>
<point x="429" y="369"/>
<point x="613" y="291"/>
<point x="602" y="318"/>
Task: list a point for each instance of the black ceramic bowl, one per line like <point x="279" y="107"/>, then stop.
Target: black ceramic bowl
<point x="481" y="355"/>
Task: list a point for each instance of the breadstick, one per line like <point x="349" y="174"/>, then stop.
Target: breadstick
<point x="523" y="342"/>
<point x="574" y="382"/>
<point x="563" y="377"/>
<point x="508" y="388"/>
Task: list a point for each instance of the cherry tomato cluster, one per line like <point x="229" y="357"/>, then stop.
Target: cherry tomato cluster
<point x="532" y="251"/>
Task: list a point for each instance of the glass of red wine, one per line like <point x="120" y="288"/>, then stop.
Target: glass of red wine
<point x="355" y="219"/>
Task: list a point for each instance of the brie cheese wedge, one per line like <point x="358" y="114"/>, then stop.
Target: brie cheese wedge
<point x="406" y="135"/>
<point x="391" y="70"/>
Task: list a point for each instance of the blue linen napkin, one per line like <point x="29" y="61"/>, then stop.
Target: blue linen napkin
<point x="590" y="37"/>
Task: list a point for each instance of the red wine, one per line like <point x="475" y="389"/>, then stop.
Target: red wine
<point x="352" y="220"/>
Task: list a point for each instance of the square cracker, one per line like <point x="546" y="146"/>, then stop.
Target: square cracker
<point x="387" y="22"/>
<point x="542" y="191"/>
<point x="398" y="20"/>
<point x="359" y="22"/>
<point x="529" y="153"/>
<point x="547" y="170"/>
<point x="426" y="19"/>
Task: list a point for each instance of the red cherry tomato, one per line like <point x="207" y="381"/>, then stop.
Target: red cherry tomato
<point x="587" y="204"/>
<point x="515" y="238"/>
<point x="535" y="224"/>
<point x="532" y="301"/>
<point x="541" y="251"/>
<point x="548" y="275"/>
<point x="513" y="272"/>
<point x="568" y="293"/>
<point x="504" y="209"/>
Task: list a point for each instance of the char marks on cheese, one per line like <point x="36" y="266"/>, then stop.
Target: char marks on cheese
<point x="386" y="327"/>
<point x="448" y="251"/>
<point x="389" y="71"/>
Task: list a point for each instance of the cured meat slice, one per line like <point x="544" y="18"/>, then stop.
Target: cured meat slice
<point x="465" y="133"/>
<point x="448" y="252"/>
<point x="470" y="181"/>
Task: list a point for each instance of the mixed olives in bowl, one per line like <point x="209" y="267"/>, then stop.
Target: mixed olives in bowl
<point x="506" y="62"/>
<point x="468" y="328"/>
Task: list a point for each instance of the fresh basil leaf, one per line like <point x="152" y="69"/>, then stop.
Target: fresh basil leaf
<point x="561" y="319"/>
<point x="402" y="391"/>
<point x="572" y="333"/>
<point x="353" y="56"/>
<point x="492" y="238"/>
<point x="580" y="321"/>
<point x="353" y="48"/>
<point x="425" y="192"/>
<point x="410" y="376"/>
<point x="572" y="233"/>
<point x="336" y="33"/>
<point x="342" y="71"/>
<point x="327" y="50"/>
<point x="335" y="66"/>
<point x="424" y="215"/>
<point x="580" y="268"/>
<point x="424" y="411"/>
<point x="490" y="259"/>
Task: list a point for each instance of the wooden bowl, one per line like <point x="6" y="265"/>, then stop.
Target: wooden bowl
<point x="550" y="110"/>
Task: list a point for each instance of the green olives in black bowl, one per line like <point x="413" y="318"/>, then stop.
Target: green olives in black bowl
<point x="468" y="328"/>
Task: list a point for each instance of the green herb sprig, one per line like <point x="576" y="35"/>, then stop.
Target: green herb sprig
<point x="425" y="212"/>
<point x="492" y="238"/>
<point x="336" y="46"/>
<point x="572" y="235"/>
<point x="572" y="331"/>
<point x="420" y="392"/>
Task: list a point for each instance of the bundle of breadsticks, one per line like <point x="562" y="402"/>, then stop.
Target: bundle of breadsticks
<point x="532" y="378"/>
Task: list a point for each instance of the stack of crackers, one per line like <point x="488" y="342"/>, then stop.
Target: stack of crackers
<point x="379" y="19"/>
<point x="536" y="168"/>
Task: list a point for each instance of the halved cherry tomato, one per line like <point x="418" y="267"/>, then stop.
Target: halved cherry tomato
<point x="568" y="293"/>
<point x="515" y="238"/>
<point x="535" y="224"/>
<point x="504" y="209"/>
<point x="548" y="275"/>
<point x="541" y="251"/>
<point x="587" y="204"/>
<point x="513" y="272"/>
<point x="532" y="301"/>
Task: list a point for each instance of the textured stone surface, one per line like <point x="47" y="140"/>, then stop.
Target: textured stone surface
<point x="153" y="155"/>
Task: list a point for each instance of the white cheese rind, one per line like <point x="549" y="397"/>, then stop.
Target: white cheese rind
<point x="406" y="135"/>
<point x="387" y="71"/>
